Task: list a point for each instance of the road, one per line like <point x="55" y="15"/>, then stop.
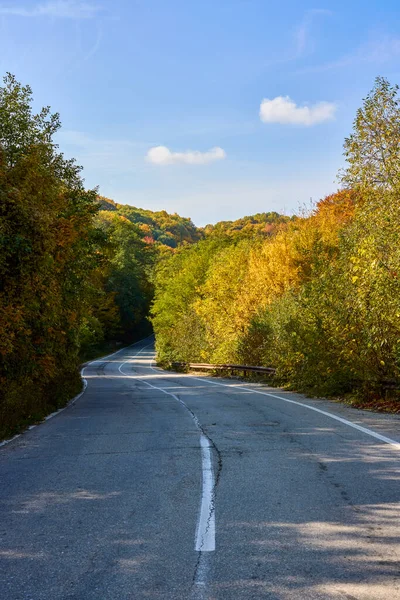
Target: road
<point x="162" y="485"/>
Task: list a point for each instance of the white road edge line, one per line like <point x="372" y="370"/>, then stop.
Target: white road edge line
<point x="205" y="530"/>
<point x="4" y="442"/>
<point x="365" y="430"/>
<point x="76" y="398"/>
<point x="53" y="414"/>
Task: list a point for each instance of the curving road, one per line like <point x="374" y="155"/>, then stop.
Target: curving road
<point x="162" y="485"/>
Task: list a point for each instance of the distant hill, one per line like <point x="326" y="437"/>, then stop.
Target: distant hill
<point x="261" y="224"/>
<point x="159" y="227"/>
<point x="163" y="228"/>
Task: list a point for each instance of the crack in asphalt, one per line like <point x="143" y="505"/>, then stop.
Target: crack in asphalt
<point x="203" y="559"/>
<point x="202" y="563"/>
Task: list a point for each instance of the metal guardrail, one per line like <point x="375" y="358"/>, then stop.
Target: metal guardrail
<point x="225" y="367"/>
<point x="386" y="384"/>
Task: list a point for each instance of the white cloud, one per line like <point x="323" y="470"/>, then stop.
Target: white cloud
<point x="161" y="155"/>
<point x="283" y="110"/>
<point x="375" y="52"/>
<point x="65" y="9"/>
<point x="302" y="42"/>
<point x="302" y="33"/>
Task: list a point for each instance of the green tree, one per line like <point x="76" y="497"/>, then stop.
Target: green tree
<point x="372" y="151"/>
<point x="180" y="331"/>
<point x="48" y="249"/>
<point x="127" y="273"/>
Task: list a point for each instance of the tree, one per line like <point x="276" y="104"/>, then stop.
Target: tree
<point x="48" y="250"/>
<point x="127" y="273"/>
<point x="372" y="151"/>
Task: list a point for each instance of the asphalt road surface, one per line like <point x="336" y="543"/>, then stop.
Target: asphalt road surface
<point x="162" y="485"/>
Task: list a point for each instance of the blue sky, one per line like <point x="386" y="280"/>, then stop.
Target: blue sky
<point x="214" y="109"/>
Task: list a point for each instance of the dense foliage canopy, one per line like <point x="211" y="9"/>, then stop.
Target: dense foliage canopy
<point x="319" y="296"/>
<point x="160" y="228"/>
<point x="48" y="248"/>
<point x="75" y="268"/>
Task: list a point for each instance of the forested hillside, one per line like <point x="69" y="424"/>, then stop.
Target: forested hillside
<point x="319" y="297"/>
<point x="261" y="225"/>
<point x="160" y="228"/>
<point x="75" y="268"/>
